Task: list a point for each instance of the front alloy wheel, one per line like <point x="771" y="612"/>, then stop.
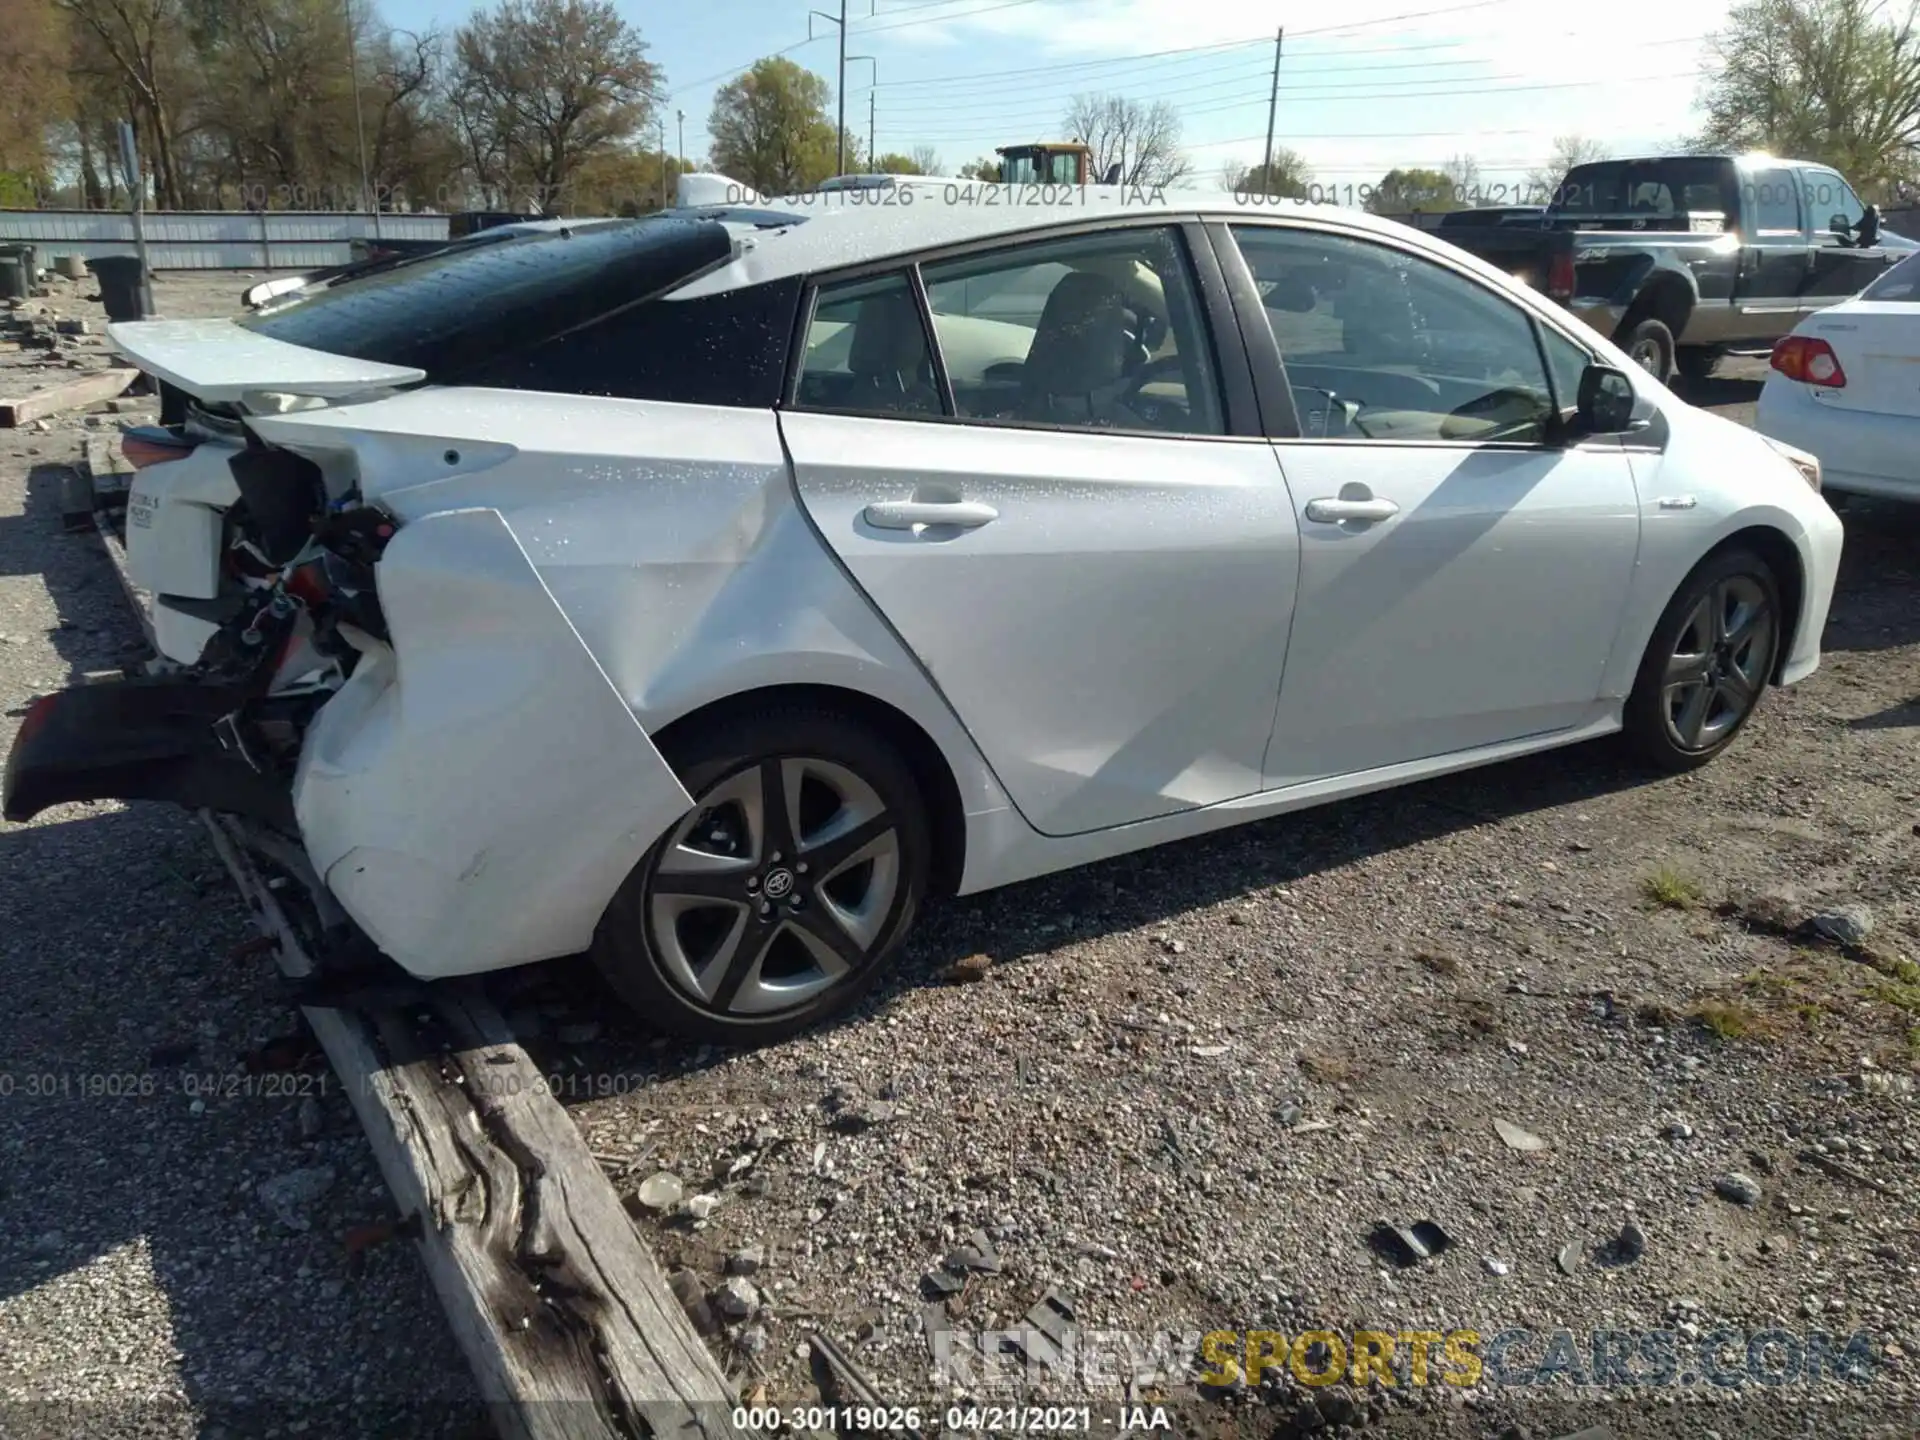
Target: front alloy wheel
<point x="1719" y="664"/>
<point x="774" y="901"/>
<point x="1710" y="659"/>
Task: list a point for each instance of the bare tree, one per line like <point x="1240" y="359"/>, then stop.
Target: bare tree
<point x="1568" y="151"/>
<point x="1463" y="172"/>
<point x="141" y="45"/>
<point x="927" y="158"/>
<point x="1144" y="140"/>
<point x="544" y="84"/>
<point x="1830" y="80"/>
<point x="1288" y="177"/>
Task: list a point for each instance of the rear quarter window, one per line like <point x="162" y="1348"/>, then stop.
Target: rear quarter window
<point x="724" y="349"/>
<point x="1901" y="283"/>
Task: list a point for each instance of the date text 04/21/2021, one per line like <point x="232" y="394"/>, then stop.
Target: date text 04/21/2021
<point x="955" y="1419"/>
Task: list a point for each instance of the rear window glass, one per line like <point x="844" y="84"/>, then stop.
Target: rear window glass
<point x="1902" y="282"/>
<point x="1644" y="187"/>
<point x="466" y="304"/>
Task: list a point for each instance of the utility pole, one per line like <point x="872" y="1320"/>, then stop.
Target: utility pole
<point x="664" y="202"/>
<point x="873" y="83"/>
<point x="840" y="130"/>
<point x="680" y="146"/>
<point x="1273" y="104"/>
<point x="359" y="125"/>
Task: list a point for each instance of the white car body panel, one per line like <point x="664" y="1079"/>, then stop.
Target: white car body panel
<point x="223" y="362"/>
<point x="174" y="512"/>
<point x="1408" y="642"/>
<point x="1146" y="642"/>
<point x="476" y="793"/>
<point x="1867" y="432"/>
<point x="1150" y="581"/>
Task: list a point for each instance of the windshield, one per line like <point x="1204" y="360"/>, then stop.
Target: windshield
<point x="1656" y="188"/>
<point x="454" y="307"/>
<point x="1901" y="283"/>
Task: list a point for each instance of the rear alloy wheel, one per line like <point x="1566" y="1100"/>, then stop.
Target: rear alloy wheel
<point x="772" y="904"/>
<point x="1650" y="346"/>
<point x="1710" y="660"/>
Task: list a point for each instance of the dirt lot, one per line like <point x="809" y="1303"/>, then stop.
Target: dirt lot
<point x="1182" y="1093"/>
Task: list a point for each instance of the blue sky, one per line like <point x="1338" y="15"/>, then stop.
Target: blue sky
<point x="1364" y="84"/>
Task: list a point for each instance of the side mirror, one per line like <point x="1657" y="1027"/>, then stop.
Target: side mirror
<point x="1113" y="174"/>
<point x="1839" y="225"/>
<point x="1605" y="405"/>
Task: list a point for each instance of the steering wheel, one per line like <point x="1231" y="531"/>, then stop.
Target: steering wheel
<point x="1148" y="373"/>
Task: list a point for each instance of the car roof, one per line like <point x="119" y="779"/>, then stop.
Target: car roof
<point x="850" y="228"/>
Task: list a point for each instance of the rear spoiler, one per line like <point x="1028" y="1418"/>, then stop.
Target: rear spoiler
<point x="218" y="361"/>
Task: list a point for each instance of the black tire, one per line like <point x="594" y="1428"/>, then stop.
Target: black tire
<point x="649" y="942"/>
<point x="1648" y="341"/>
<point x="1696" y="362"/>
<point x="1733" y="673"/>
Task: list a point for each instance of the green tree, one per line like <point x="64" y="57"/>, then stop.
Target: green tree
<point x="895" y="164"/>
<point x="981" y="169"/>
<point x="33" y="85"/>
<point x="1403" y="191"/>
<point x="771" y="130"/>
<point x="543" y="85"/>
<point x="1837" y="81"/>
<point x="1288" y="177"/>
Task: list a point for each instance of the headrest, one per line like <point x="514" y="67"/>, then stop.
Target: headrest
<point x="887" y="337"/>
<point x="1083" y="340"/>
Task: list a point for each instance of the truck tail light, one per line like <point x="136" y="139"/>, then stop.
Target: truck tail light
<point x="1560" y="276"/>
<point x="1810" y="360"/>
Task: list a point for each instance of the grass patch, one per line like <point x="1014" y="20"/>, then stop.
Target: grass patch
<point x="1670" y="890"/>
<point x="1913" y="1044"/>
<point x="1902" y="997"/>
<point x="1728" y="1019"/>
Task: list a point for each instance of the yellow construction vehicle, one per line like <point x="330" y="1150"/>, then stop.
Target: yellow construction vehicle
<point x="1051" y="162"/>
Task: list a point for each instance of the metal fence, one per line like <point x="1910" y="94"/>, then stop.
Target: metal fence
<point x="214" y="239"/>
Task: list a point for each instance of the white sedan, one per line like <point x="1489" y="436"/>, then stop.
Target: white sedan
<point x="1845" y="386"/>
<point x="706" y="598"/>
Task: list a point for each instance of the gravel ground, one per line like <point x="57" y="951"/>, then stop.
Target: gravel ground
<point x="1181" y="1089"/>
<point x="145" y="1286"/>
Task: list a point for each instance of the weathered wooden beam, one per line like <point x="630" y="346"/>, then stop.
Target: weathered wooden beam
<point x="560" y="1309"/>
<point x="86" y="390"/>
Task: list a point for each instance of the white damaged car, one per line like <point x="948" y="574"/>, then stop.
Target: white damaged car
<point x="705" y="597"/>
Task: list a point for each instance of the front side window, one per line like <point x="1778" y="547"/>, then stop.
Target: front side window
<point x="1018" y="170"/>
<point x="1099" y="331"/>
<point x="866" y="352"/>
<point x="1380" y="344"/>
<point x="1837" y="211"/>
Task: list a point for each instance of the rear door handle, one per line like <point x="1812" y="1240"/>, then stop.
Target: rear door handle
<point x="1332" y="512"/>
<point x="905" y="514"/>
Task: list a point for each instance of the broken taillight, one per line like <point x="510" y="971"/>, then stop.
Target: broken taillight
<point x="1810" y="360"/>
<point x="146" y="445"/>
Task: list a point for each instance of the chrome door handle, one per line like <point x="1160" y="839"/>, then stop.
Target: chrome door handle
<point x="905" y="514"/>
<point x="1332" y="512"/>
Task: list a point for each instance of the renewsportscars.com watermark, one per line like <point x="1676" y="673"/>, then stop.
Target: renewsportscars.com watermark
<point x="1124" y="1363"/>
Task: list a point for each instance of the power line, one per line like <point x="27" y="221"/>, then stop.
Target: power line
<point x="1239" y="101"/>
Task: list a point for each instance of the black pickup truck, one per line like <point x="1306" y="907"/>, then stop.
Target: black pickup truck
<point x="1681" y="258"/>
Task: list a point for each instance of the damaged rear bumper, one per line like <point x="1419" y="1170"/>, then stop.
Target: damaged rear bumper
<point x="147" y="738"/>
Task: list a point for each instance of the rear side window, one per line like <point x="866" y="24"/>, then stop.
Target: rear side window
<point x="1774" y="203"/>
<point x="867" y="352"/>
<point x="1901" y="283"/>
<point x="724" y="349"/>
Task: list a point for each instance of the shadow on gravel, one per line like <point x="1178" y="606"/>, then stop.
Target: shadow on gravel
<point x="1876" y="605"/>
<point x="94" y="631"/>
<point x="1717" y="390"/>
<point x="131" y="1156"/>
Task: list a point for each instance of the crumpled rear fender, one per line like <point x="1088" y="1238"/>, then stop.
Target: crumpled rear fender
<point x="475" y="795"/>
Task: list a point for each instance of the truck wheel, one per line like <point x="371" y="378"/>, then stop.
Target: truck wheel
<point x="1696" y="362"/>
<point x="1649" y="345"/>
